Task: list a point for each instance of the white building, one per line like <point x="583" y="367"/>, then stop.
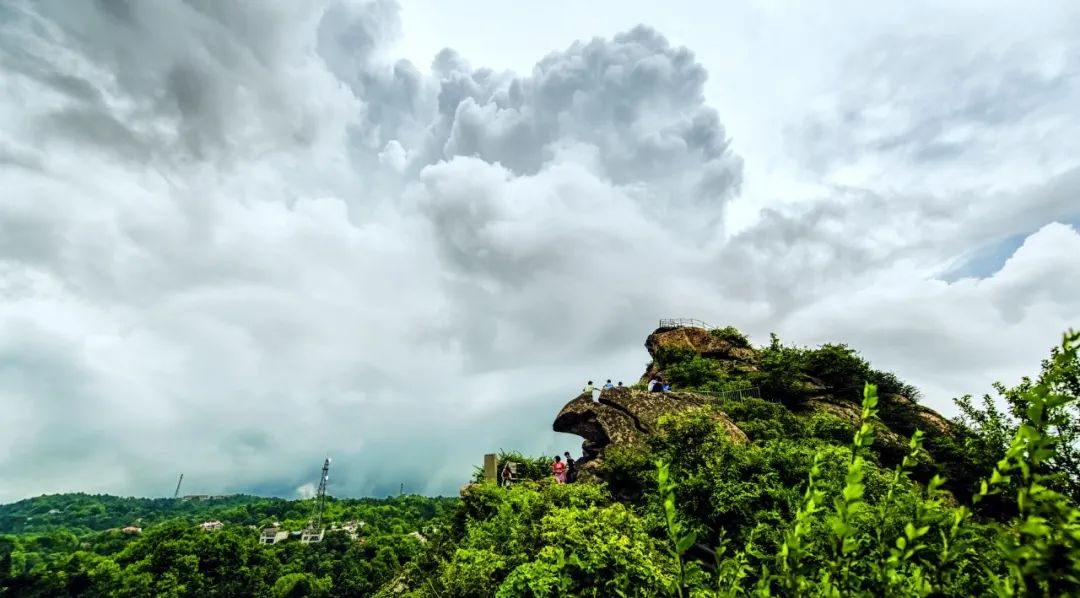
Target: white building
<point x="273" y="535"/>
<point x="312" y="535"/>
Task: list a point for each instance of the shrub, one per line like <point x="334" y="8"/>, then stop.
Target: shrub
<point x="731" y="335"/>
<point x="694" y="372"/>
<point x="829" y="427"/>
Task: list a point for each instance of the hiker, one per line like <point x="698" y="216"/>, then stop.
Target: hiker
<point x="588" y="388"/>
<point x="571" y="470"/>
<point x="658" y="386"/>
<point x="666" y="388"/>
<point x="609" y="385"/>
<point x="507" y="476"/>
<point x="652" y="384"/>
<point x="620" y="384"/>
<point x="558" y="469"/>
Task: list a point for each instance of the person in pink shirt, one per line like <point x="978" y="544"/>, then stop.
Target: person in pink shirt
<point x="558" y="469"/>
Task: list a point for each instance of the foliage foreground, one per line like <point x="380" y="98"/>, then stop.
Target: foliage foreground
<point x="793" y="513"/>
<point x="804" y="508"/>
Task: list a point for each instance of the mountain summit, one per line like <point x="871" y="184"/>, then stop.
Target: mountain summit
<point x="708" y="368"/>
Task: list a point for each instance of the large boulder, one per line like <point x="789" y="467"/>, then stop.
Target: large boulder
<point x="712" y="344"/>
<point x="625" y="417"/>
<point x="708" y="343"/>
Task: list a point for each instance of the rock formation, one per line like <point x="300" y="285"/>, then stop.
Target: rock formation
<point x="732" y="355"/>
<point x="624" y="417"/>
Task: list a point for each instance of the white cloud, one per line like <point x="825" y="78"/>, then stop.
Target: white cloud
<point x="235" y="238"/>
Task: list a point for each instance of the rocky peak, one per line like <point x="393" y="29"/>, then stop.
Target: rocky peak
<point x="624" y="417"/>
<point x="725" y="346"/>
<point x="713" y="344"/>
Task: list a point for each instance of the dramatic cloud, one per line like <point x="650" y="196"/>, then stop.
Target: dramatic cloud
<point x="238" y="237"/>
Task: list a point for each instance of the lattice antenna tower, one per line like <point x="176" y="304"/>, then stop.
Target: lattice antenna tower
<point x="320" y="496"/>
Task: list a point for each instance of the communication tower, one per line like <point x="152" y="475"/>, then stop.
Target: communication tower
<point x="314" y="532"/>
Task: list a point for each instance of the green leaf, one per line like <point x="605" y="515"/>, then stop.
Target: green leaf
<point x="686" y="542"/>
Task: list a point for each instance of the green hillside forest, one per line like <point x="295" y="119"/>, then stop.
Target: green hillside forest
<point x="830" y="479"/>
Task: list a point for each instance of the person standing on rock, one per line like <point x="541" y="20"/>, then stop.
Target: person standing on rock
<point x="558" y="469"/>
<point x="571" y="469"/>
<point x="588" y="388"/>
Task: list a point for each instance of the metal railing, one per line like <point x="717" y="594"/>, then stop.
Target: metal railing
<point x="736" y="393"/>
<point x="683" y="323"/>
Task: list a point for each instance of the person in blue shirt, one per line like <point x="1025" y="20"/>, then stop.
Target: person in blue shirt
<point x="609" y="385"/>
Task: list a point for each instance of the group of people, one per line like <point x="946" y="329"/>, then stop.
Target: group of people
<point x="657" y="384"/>
<point x="589" y="388"/>
<point x="563" y="471"/>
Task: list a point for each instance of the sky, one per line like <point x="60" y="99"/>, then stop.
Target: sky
<point x="237" y="237"/>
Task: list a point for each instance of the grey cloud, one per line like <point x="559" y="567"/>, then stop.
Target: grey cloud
<point x="635" y="98"/>
<point x="96" y="128"/>
<point x="796" y="255"/>
<point x="265" y="237"/>
<point x="205" y="73"/>
<point x="931" y="99"/>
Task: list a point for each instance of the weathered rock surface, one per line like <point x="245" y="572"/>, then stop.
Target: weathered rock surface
<point x="730" y="355"/>
<point x="624" y="417"/>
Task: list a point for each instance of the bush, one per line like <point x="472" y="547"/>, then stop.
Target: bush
<point x="731" y="335"/>
<point x="694" y="372"/>
<point x="829" y="427"/>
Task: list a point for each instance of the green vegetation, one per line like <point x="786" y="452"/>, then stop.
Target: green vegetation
<point x="69" y="545"/>
<point x="811" y="505"/>
<point x="731" y="335"/>
<point x="806" y="508"/>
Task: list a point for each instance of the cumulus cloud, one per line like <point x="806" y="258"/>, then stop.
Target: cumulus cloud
<point x="236" y="237"/>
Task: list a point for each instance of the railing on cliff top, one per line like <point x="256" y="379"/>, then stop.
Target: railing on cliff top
<point x="736" y="393"/>
<point x="683" y="323"/>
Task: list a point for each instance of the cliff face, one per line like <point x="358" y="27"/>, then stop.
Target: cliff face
<point x="625" y="417"/>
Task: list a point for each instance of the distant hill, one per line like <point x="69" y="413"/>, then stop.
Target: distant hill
<point x="84" y="513"/>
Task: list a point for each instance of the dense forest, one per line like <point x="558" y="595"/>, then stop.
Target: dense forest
<point x="804" y="503"/>
<point x="83" y="545"/>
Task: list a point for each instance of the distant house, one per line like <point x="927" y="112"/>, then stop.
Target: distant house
<point x="131" y="529"/>
<point x="312" y="535"/>
<point x="54" y="511"/>
<point x="273" y="535"/>
<point x="209" y="526"/>
<point x="349" y="528"/>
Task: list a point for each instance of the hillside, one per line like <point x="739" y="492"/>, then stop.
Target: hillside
<point x="719" y="368"/>
<point x="775" y="470"/>
<point x="84" y="545"/>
